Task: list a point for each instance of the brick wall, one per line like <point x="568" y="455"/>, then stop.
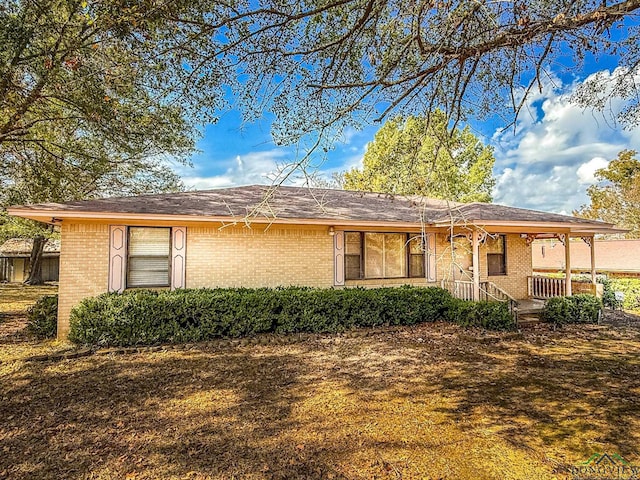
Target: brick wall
<point x="454" y="262"/>
<point x="454" y="259"/>
<point x="519" y="267"/>
<point x="279" y="256"/>
<point x="228" y="257"/>
<point x="259" y="257"/>
<point x="84" y="267"/>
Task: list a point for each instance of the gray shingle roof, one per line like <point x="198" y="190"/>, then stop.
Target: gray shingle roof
<point x="284" y="202"/>
<point x="23" y="246"/>
<point x="493" y="212"/>
<point x="304" y="203"/>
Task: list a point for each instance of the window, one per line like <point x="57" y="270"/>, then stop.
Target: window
<point x="496" y="256"/>
<point x="353" y="256"/>
<point x="383" y="255"/>
<point x="148" y="257"/>
<point x="416" y="256"/>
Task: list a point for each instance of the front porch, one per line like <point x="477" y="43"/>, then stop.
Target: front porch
<point x="517" y="286"/>
<point x="543" y="287"/>
<point x="482" y="272"/>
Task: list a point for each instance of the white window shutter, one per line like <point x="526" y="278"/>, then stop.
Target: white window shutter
<point x="430" y="257"/>
<point x="117" y="258"/>
<point x="338" y="258"/>
<point x="178" y="257"/>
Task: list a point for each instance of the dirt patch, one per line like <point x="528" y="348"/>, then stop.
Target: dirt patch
<point x="12" y="327"/>
<point x="620" y="318"/>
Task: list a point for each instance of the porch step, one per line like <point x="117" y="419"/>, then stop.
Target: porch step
<point x="528" y="320"/>
<point x="532" y="306"/>
<point x="529" y="312"/>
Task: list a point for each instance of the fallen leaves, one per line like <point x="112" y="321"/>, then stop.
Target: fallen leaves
<point x="430" y="401"/>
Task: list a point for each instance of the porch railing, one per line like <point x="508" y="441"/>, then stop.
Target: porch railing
<point x="489" y="292"/>
<point x="459" y="288"/>
<point x="546" y="287"/>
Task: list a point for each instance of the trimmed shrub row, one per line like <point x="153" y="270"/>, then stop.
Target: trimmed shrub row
<point x="144" y="317"/>
<point x="574" y="309"/>
<point x="42" y="317"/>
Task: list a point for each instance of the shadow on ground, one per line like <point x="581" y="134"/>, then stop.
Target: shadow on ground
<point x="433" y="401"/>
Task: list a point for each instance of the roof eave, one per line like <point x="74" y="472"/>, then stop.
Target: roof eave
<point x="530" y="227"/>
<point x="56" y="217"/>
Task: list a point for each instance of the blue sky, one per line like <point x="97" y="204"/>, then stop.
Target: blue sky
<point x="547" y="163"/>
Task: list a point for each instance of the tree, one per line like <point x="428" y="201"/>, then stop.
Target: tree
<point x="43" y="178"/>
<point x="81" y="81"/>
<point x="322" y="65"/>
<point x="318" y="66"/>
<point x="413" y="156"/>
<point x="85" y="105"/>
<point x="617" y="198"/>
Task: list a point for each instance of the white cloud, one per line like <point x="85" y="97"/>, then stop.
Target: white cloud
<point x="586" y="171"/>
<point x="252" y="168"/>
<point x="556" y="148"/>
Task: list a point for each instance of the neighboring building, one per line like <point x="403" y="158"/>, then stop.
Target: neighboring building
<point x="15" y="256"/>
<point x="613" y="257"/>
<point x="257" y="236"/>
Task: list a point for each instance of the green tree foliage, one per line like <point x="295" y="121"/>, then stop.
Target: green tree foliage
<point x="616" y="199"/>
<point x="88" y="107"/>
<point x="81" y="86"/>
<point x="414" y="156"/>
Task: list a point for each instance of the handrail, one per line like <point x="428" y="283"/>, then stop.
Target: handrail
<point x="489" y="291"/>
<point x="505" y="297"/>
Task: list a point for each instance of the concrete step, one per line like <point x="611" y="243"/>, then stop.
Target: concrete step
<point x="528" y="320"/>
<point x="529" y="311"/>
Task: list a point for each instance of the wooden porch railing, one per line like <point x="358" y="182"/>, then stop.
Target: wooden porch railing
<point x="489" y="292"/>
<point x="459" y="288"/>
<point x="545" y="287"/>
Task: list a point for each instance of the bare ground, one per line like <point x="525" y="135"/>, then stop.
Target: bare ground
<point x="434" y="401"/>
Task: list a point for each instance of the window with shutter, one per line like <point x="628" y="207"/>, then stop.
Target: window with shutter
<point x="373" y="255"/>
<point x="353" y="255"/>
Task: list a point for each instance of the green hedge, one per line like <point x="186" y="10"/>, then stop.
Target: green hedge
<point x="42" y="317"/>
<point x="144" y="317"/>
<point x="631" y="289"/>
<point x="489" y="315"/>
<point x="629" y="286"/>
<point x="574" y="309"/>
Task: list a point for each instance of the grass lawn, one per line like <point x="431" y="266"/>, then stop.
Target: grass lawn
<point x="434" y="401"/>
<point x="16" y="298"/>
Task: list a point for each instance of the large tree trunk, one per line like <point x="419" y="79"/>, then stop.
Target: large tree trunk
<point x="35" y="272"/>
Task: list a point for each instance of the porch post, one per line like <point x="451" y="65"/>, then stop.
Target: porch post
<point x="567" y="265"/>
<point x="476" y="265"/>
<point x="593" y="259"/>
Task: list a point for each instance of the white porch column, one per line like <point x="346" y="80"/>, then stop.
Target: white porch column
<point x="567" y="265"/>
<point x="476" y="265"/>
<point x="593" y="260"/>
